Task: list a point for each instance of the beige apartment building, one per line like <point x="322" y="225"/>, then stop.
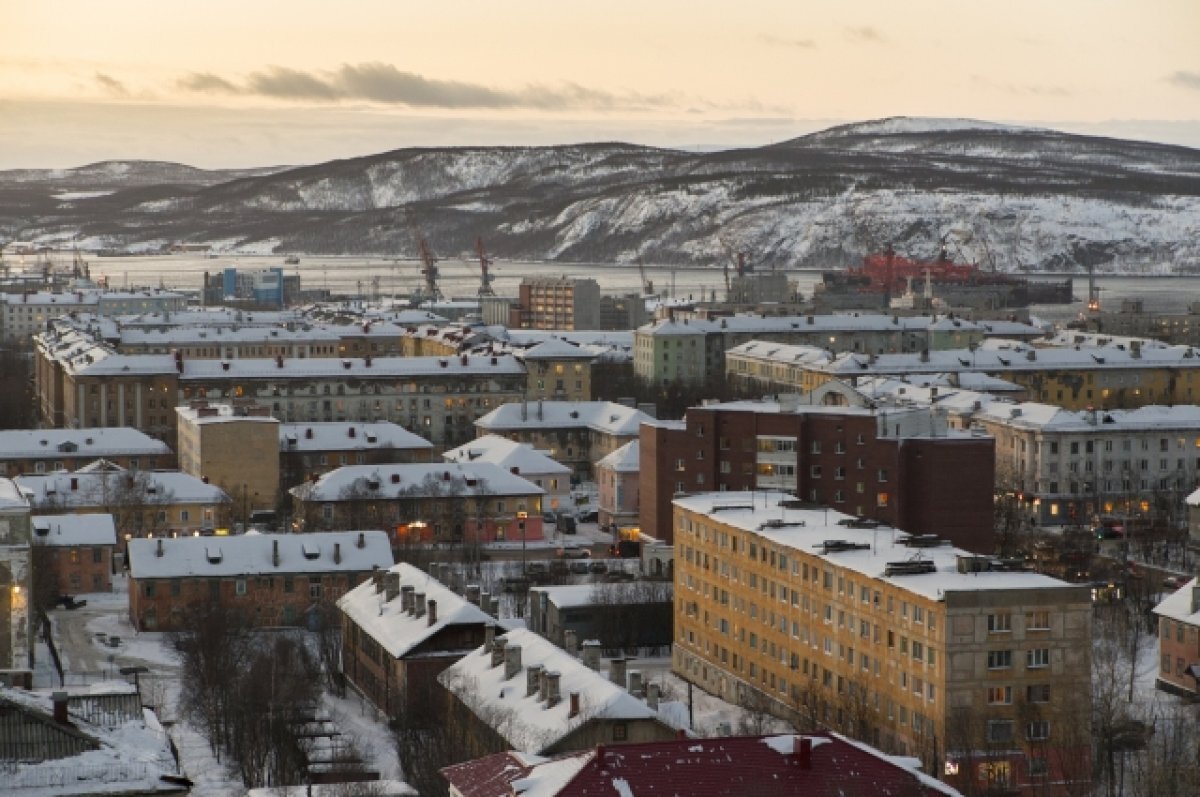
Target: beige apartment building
<point x="971" y="664"/>
<point x="235" y="447"/>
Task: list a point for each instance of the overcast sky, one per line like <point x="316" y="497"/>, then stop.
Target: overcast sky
<point x="256" y="82"/>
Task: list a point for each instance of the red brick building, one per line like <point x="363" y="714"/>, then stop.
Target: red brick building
<point x="272" y="579"/>
<point x="1178" y="648"/>
<point x="78" y="549"/>
<point x="900" y="466"/>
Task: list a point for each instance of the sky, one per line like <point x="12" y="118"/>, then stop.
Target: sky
<point x="236" y="83"/>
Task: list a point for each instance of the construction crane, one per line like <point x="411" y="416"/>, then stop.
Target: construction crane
<point x="429" y="271"/>
<point x="485" y="276"/>
<point x="647" y="285"/>
<point x="737" y="256"/>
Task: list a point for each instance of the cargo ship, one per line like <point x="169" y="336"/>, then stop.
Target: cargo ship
<point x="886" y="275"/>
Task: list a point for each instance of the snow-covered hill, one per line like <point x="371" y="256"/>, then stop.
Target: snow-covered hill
<point x="1019" y="197"/>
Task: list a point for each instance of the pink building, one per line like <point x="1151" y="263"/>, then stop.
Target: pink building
<point x="618" y="475"/>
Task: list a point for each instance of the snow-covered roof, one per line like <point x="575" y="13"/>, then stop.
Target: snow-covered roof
<point x="347" y="436"/>
<point x="254" y="554"/>
<point x="92" y="528"/>
<point x="218" y="335"/>
<point x="555" y="349"/>
<point x="11" y="496"/>
<point x="329" y="367"/>
<point x="570" y="596"/>
<point x="523" y="722"/>
<point x="126" y="755"/>
<point x="399" y="632"/>
<point x="75" y="443"/>
<point x="203" y="415"/>
<point x="415" y="480"/>
<point x="600" y="416"/>
<point x="95" y="487"/>
<point x="1047" y="417"/>
<point x="1193" y="499"/>
<point x="626" y="459"/>
<point x="826" y="324"/>
<point x="517" y="458"/>
<point x="807" y="530"/>
<point x="1180" y="606"/>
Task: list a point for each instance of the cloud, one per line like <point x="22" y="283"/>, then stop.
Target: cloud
<point x="783" y="41"/>
<point x="1186" y="80"/>
<point x="866" y="33"/>
<point x="385" y="84"/>
<point x="111" y="85"/>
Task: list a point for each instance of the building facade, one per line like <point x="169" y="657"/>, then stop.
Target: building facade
<point x="980" y="670"/>
<point x="234" y="447"/>
<point x="76" y="552"/>
<point x="552" y="303"/>
<point x="49" y="450"/>
<point x="16" y="587"/>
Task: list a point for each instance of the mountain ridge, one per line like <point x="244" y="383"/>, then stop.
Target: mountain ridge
<point x="1027" y="198"/>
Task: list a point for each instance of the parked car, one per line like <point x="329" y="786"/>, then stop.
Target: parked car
<point x="597" y="567"/>
<point x="69" y="602"/>
<point x="589" y="516"/>
<point x="574" y="552"/>
<point x="1174" y="582"/>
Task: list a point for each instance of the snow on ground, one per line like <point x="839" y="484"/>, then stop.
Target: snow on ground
<point x="713" y="716"/>
<point x="358" y="719"/>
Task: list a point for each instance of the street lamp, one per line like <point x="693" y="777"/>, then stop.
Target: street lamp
<point x="521" y="516"/>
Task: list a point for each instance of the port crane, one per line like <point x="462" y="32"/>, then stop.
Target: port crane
<point x="647" y="285"/>
<point x="738" y="258"/>
<point x="485" y="275"/>
<point x="429" y="271"/>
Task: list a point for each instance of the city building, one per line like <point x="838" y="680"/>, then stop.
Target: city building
<point x="786" y="765"/>
<point x="16" y="587"/>
<point x="48" y="450"/>
<point x="521" y="692"/>
<point x="142" y="503"/>
<point x="973" y="665"/>
<point x="1089" y="373"/>
<point x="462" y="502"/>
<point x="268" y="579"/>
<point x="558" y="371"/>
<point x="86" y="742"/>
<point x="1178" y="649"/>
<point x="519" y="459"/>
<point x="260" y="287"/>
<point x="622" y="616"/>
<point x="78" y="552"/>
<point x="399" y="631"/>
<point x="693" y="350"/>
<point x="309" y="450"/>
<point x="25" y="314"/>
<point x="232" y="446"/>
<point x="576" y="433"/>
<point x="898" y="465"/>
<point x="556" y="303"/>
<point x="619" y="478"/>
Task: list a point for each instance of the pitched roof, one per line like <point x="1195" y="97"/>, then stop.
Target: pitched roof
<point x="415" y="480"/>
<point x="599" y="416"/>
<point x="11" y="496"/>
<point x="253" y="554"/>
<point x="626" y="459"/>
<point x="521" y="720"/>
<point x="555" y="349"/>
<point x="711" y="767"/>
<point x="397" y="631"/>
<point x="347" y="436"/>
<point x="507" y="454"/>
<point x="81" y="529"/>
<point x="91" y="486"/>
<point x="76" y="443"/>
<point x="1179" y="605"/>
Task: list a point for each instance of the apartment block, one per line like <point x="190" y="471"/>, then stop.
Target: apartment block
<point x="236" y="448"/>
<point x="556" y="304"/>
<point x="901" y="466"/>
<point x="971" y="664"/>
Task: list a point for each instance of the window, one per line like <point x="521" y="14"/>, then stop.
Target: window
<point x="1037" y="730"/>
<point x="1038" y="767"/>
<point x="999" y="695"/>
<point x="999" y="659"/>
<point x="999" y="623"/>
<point x="1037" y="621"/>
<point x="1037" y="693"/>
<point x="620" y="732"/>
<point x="239" y="586"/>
<point x="999" y="730"/>
<point x="1038" y="657"/>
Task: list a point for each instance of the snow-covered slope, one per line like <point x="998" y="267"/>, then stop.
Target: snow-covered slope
<point x="1021" y="197"/>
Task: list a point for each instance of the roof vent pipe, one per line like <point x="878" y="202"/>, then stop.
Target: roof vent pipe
<point x="512" y="661"/>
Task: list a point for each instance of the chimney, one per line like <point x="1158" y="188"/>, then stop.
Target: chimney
<point x="362" y="540"/>
<point x="635" y="683"/>
<point x="472" y="594"/>
<point x="275" y="552"/>
<point x="406" y="597"/>
<point x="552" y="695"/>
<point x="431" y="606"/>
<point x="159" y="550"/>
<point x="391" y="587"/>
<point x="419" y="604"/>
<point x="571" y="642"/>
<point x="278" y="360"/>
<point x="543" y="685"/>
<point x="591" y="655"/>
<point x="60" y="708"/>
<point x="377" y="578"/>
<point x="498" y="650"/>
<point x="616" y="671"/>
<point x="803" y="750"/>
<point x="489" y="637"/>
<point x="512" y="661"/>
<point x="653" y="694"/>
<point x="574" y="705"/>
<point x="308" y="433"/>
<point x="494" y="609"/>
<point x="337" y="553"/>
<point x="485" y="600"/>
<point x="533" y="676"/>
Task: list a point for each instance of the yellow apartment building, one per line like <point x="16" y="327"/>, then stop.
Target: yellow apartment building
<point x="977" y="667"/>
<point x="235" y="448"/>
